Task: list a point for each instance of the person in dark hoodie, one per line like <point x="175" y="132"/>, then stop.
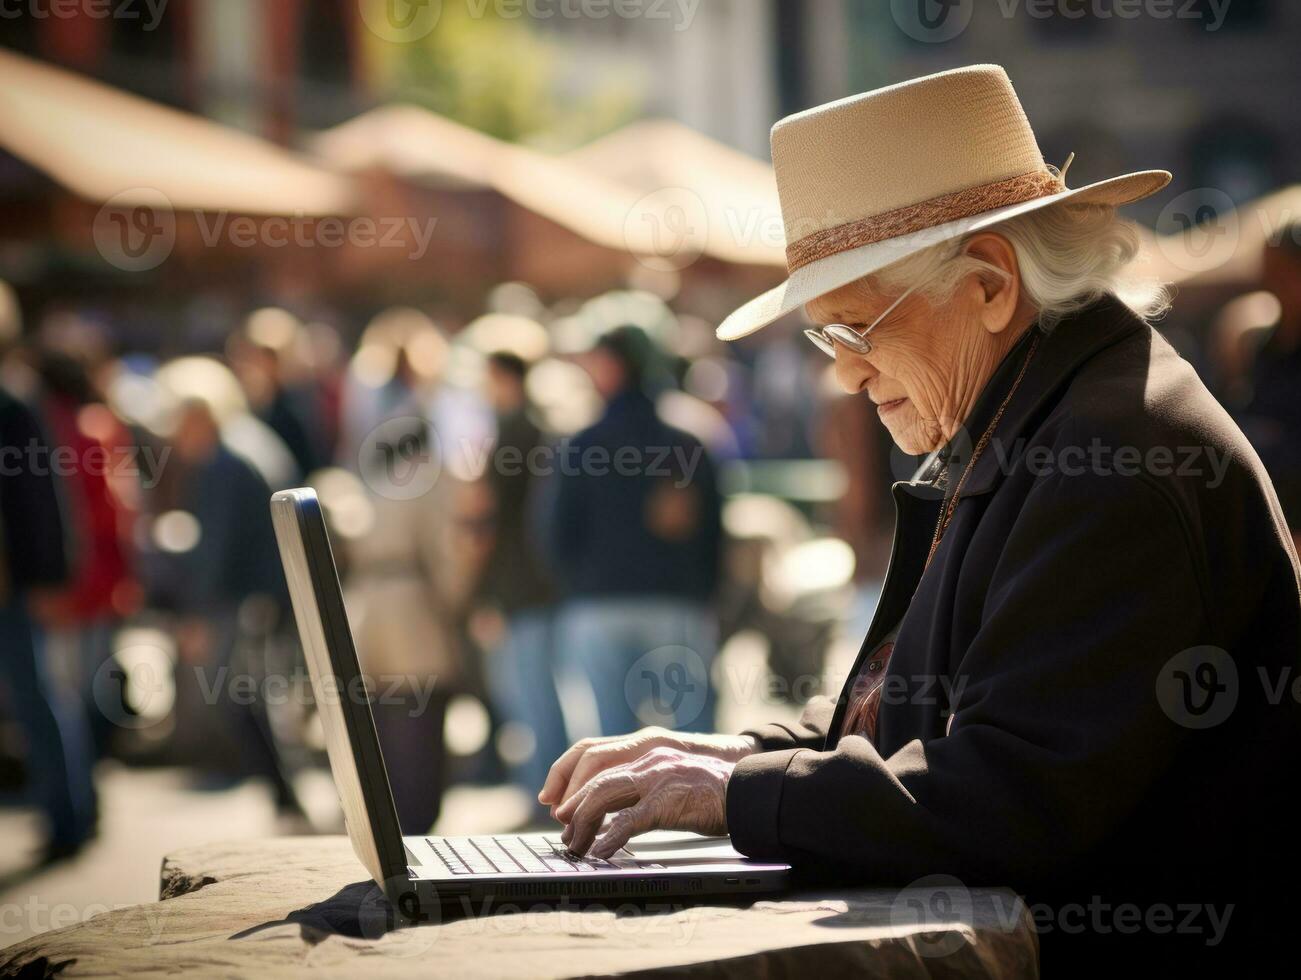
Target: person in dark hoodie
<point x="633" y="529"/>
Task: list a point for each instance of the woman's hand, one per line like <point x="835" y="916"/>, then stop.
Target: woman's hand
<point x="663" y="789"/>
<point x="591" y="756"/>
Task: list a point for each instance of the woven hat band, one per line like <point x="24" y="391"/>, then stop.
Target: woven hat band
<point x="922" y="215"/>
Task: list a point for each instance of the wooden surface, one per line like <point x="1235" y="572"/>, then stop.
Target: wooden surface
<point x="290" y="905"/>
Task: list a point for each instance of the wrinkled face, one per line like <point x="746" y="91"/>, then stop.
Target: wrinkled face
<point x="925" y="360"/>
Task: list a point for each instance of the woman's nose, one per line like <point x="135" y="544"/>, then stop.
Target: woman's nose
<point x="853" y="371"/>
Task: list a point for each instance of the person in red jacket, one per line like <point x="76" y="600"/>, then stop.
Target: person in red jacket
<point x="32" y="563"/>
<point x="98" y="485"/>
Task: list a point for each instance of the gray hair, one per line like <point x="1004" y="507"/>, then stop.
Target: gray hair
<point x="1069" y="256"/>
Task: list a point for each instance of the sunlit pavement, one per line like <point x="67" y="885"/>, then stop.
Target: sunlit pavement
<point x="149" y="813"/>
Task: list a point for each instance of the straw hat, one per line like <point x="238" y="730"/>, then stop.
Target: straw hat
<point x="873" y="178"/>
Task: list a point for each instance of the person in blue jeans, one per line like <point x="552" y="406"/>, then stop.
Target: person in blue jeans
<point x="520" y="676"/>
<point x="33" y="558"/>
<point x="633" y="528"/>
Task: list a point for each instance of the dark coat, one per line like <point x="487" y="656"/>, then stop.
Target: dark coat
<point x="596" y="512"/>
<point x="1033" y="730"/>
<point x="514" y="577"/>
<point x="33" y="547"/>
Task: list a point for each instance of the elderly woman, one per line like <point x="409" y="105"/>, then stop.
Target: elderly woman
<point x="1076" y="680"/>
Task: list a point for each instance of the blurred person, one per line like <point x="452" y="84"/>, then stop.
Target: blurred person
<point x="721" y="383"/>
<point x="1271" y="415"/>
<point x="33" y="561"/>
<point x="1232" y="344"/>
<point x="400" y="372"/>
<point x="260" y="353"/>
<point x="781" y="380"/>
<point x="404" y="589"/>
<point x="102" y="589"/>
<point x="225" y="580"/>
<point x="632" y="525"/>
<point x="383" y="381"/>
<point x="403" y="425"/>
<point x="16" y="374"/>
<point x="515" y="583"/>
<point x="241" y="432"/>
<point x="1073" y="682"/>
<point x="328" y="366"/>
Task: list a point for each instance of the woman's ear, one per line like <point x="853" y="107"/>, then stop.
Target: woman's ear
<point x="1000" y="284"/>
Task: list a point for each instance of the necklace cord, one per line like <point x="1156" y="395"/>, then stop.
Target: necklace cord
<point x="951" y="502"/>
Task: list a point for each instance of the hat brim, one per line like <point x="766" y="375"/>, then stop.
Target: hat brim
<point x="817" y="278"/>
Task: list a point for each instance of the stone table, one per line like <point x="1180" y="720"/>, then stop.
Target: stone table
<point x="285" y="906"/>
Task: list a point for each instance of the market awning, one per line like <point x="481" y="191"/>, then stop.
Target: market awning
<point x="1229" y="249"/>
<point x="738" y="193"/>
<point x="105" y="144"/>
<point x="590" y="196"/>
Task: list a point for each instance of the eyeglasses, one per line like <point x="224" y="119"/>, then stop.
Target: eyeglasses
<point x="826" y="338"/>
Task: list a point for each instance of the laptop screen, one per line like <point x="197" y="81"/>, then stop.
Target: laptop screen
<point x="341" y="699"/>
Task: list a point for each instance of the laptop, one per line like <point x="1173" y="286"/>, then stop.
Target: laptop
<point x="419" y="875"/>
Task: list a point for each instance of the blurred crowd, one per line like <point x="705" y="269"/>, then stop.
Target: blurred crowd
<point x="547" y="521"/>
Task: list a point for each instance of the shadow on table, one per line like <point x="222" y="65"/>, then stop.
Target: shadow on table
<point x="351" y="912"/>
<point x="361" y="911"/>
<point x="940" y="906"/>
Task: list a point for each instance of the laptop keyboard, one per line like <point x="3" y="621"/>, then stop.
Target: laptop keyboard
<point x="533" y="854"/>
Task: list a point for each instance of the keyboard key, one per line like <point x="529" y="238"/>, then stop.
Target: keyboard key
<point x="468" y="853"/>
<point x="521" y="854"/>
<point x="502" y="862"/>
<point x="511" y="855"/>
<point x="445" y="854"/>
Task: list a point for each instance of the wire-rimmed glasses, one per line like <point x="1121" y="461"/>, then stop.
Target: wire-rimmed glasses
<point x="826" y="338"/>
